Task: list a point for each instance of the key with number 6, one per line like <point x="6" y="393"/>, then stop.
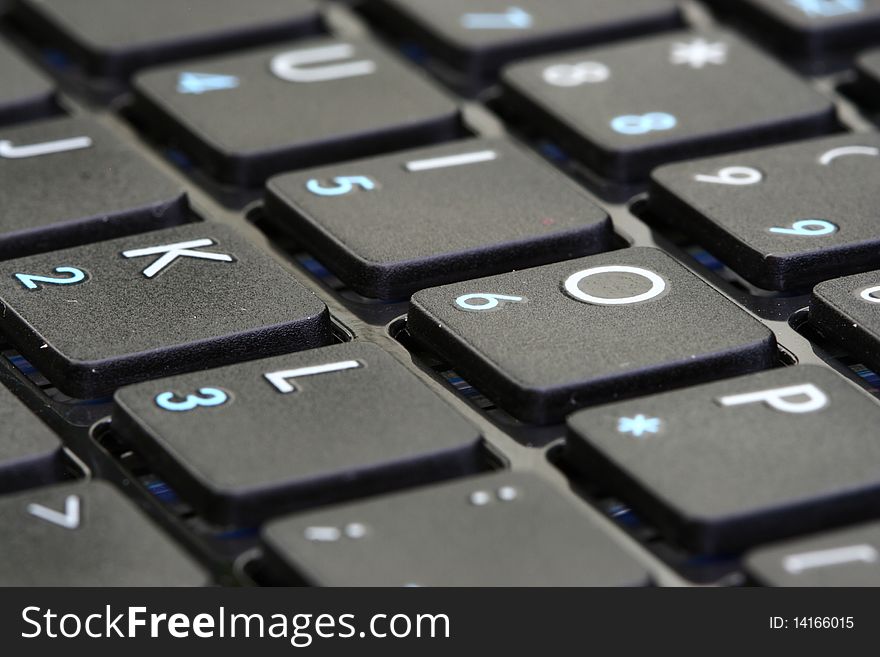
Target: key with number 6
<point x="547" y="341"/>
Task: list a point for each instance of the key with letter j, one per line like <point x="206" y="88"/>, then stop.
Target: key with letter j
<point x="544" y="342"/>
<point x="725" y="466"/>
<point x="97" y="317"/>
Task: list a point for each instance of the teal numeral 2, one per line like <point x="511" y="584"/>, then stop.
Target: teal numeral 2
<point x="207" y="397"/>
<point x="32" y="282"/>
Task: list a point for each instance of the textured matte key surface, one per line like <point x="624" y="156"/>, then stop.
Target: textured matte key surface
<point x="87" y="535"/>
<point x="849" y="557"/>
<point x="392" y="225"/>
<point x="847" y="312"/>
<point x="30" y="453"/>
<point x="320" y="101"/>
<point x="728" y="465"/>
<point x="783" y="217"/>
<point x="496" y="530"/>
<point x="117" y="37"/>
<point x="26" y="93"/>
<point x="258" y="439"/>
<point x="481" y="35"/>
<point x="815" y="25"/>
<point x="544" y="342"/>
<point x="100" y="316"/>
<point x="627" y="108"/>
<point x="71" y="181"/>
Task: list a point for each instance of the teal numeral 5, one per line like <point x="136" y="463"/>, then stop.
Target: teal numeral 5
<point x="32" y="282"/>
<point x="207" y="397"/>
<point x="344" y="185"/>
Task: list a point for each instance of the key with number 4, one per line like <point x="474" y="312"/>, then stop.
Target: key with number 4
<point x="544" y="342"/>
<point x="97" y="317"/>
<point x="784" y="217"/>
<point x="87" y="535"/>
<point x="322" y="101"/>
<point x="725" y="466"/>
<point x="322" y="426"/>
<point x="495" y="530"/>
<point x="396" y="224"/>
<point x="638" y="105"/>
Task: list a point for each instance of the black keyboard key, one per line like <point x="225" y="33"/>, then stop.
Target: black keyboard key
<point x="481" y="36"/>
<point x="783" y="217"/>
<point x="396" y="224"/>
<point x="544" y="342"/>
<point x="26" y="93"/>
<point x="71" y="181"/>
<point x="322" y="426"/>
<point x="30" y="453"/>
<point x="496" y="530"/>
<point x="96" y="317"/>
<point x="115" y="38"/>
<point x="848" y="557"/>
<point x="815" y="26"/>
<point x="868" y="67"/>
<point x="847" y="312"/>
<point x="322" y="101"/>
<point x="87" y="535"/>
<point x="627" y="108"/>
<point x="724" y="466"/>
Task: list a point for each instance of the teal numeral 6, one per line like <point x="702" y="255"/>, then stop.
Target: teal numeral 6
<point x="206" y="398"/>
<point x="32" y="282"/>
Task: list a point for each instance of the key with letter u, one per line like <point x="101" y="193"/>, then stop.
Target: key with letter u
<point x="725" y="466"/>
<point x="321" y="101"/>
<point x="544" y="342"/>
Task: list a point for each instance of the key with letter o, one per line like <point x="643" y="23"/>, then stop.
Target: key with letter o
<point x="728" y="465"/>
<point x="587" y="331"/>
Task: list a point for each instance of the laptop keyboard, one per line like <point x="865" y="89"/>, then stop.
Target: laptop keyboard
<point x="414" y="293"/>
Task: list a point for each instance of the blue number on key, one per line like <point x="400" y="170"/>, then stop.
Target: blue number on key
<point x="32" y="282"/>
<point x="344" y="185"/>
<point x="642" y="124"/>
<point x="207" y="397"/>
<point x="808" y="228"/>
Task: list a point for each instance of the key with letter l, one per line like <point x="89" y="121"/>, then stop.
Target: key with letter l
<point x="544" y="342"/>
<point x="725" y="466"/>
<point x="97" y="317"/>
<point x="783" y="217"/>
<point x="322" y="426"/>
<point x="71" y="181"/>
<point x="847" y="557"/>
<point x="664" y="99"/>
<point x="495" y="530"/>
<point x="389" y="226"/>
<point x="88" y="535"/>
<point x="323" y="101"/>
